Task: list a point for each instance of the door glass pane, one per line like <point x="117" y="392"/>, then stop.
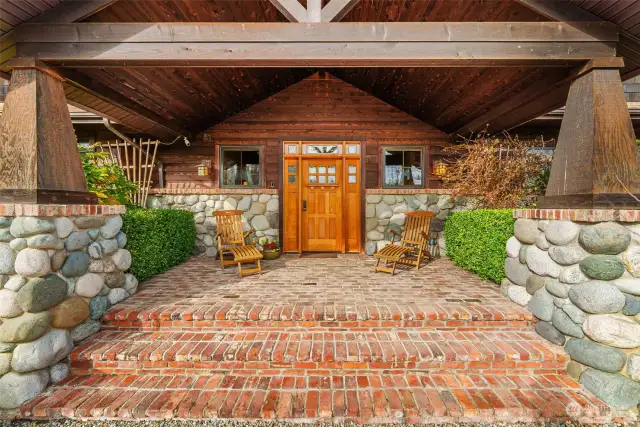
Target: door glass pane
<point x="312" y="179"/>
<point x="322" y="169"/>
<point x="332" y="179"/>
<point x="292" y="169"/>
<point x="332" y="170"/>
<point x="352" y="179"/>
<point x="322" y="179"/>
<point x="312" y="169"/>
<point x="352" y="169"/>
<point x="292" y="178"/>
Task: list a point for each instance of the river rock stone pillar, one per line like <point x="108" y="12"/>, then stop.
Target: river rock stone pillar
<point x="578" y="272"/>
<point x="61" y="268"/>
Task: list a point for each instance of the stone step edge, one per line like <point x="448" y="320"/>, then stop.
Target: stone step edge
<point x="408" y="398"/>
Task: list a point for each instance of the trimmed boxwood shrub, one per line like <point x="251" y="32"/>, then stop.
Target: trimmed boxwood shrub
<point x="158" y="239"/>
<point x="476" y="240"/>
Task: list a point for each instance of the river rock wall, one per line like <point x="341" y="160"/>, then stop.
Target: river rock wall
<point x="58" y="276"/>
<point x="261" y="212"/>
<point x="386" y="212"/>
<point x="582" y="283"/>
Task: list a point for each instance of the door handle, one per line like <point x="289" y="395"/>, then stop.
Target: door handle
<point x="304" y="205"/>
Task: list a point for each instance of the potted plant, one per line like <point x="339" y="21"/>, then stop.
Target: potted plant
<point x="270" y="250"/>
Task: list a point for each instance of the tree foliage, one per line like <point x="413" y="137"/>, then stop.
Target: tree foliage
<point x="105" y="178"/>
<point x="505" y="171"/>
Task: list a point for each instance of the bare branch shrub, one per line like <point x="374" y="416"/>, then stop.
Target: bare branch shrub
<point x="507" y="172"/>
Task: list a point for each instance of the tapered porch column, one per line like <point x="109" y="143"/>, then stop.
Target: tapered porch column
<point x="39" y="160"/>
<point x="596" y="162"/>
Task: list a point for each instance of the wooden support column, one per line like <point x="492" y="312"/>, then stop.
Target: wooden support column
<point x="39" y="159"/>
<point x="596" y="162"/>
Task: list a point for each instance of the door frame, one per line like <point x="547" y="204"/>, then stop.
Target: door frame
<point x="283" y="176"/>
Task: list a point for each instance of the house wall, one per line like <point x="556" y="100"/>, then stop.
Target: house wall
<point x="319" y="107"/>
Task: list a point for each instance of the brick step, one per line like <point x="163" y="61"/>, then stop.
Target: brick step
<point x="199" y="314"/>
<point x="409" y="398"/>
<point x="168" y="353"/>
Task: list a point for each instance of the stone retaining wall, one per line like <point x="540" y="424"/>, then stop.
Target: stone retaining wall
<point x="58" y="275"/>
<point x="385" y="212"/>
<point x="581" y="280"/>
<point x="261" y="212"/>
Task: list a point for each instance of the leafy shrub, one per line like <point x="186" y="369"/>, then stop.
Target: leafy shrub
<point x="476" y="241"/>
<point x="104" y="178"/>
<point x="158" y="239"/>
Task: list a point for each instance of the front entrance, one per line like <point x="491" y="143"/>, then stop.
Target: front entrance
<point x="322" y="205"/>
<point x="321" y="196"/>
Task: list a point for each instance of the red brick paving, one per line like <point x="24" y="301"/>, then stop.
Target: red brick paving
<point x="319" y="340"/>
<point x="410" y="397"/>
<point x="127" y="352"/>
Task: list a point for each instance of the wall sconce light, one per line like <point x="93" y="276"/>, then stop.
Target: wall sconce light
<point x="203" y="168"/>
<point x="439" y="168"/>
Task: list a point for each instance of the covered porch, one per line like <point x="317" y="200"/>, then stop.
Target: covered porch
<point x="377" y="89"/>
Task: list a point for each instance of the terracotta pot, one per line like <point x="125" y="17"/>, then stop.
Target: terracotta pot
<point x="270" y="255"/>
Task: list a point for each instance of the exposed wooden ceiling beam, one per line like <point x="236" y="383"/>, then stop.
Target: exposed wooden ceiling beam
<point x="335" y="10"/>
<point x="223" y="32"/>
<point x="64" y="13"/>
<point x="291" y="9"/>
<point x="564" y="11"/>
<point x="316" y="44"/>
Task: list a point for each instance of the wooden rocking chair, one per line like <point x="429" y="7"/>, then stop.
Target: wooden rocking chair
<point x="232" y="241"/>
<point x="413" y="243"/>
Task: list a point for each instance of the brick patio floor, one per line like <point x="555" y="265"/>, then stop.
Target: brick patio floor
<point x="319" y="340"/>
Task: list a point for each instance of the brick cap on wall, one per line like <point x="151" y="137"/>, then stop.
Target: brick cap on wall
<point x="9" y="209"/>
<point x="407" y="191"/>
<point x="581" y="215"/>
<point x="204" y="191"/>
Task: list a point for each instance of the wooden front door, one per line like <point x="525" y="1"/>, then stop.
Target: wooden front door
<point x="321" y="192"/>
<point x="322" y="213"/>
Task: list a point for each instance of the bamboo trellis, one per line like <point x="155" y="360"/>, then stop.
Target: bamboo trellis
<point x="137" y="160"/>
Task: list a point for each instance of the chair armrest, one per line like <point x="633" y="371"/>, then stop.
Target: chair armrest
<point x="424" y="235"/>
<point x="395" y="233"/>
<point x="249" y="232"/>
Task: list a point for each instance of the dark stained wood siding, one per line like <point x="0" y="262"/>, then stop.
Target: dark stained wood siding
<point x="440" y="10"/>
<point x="320" y="107"/>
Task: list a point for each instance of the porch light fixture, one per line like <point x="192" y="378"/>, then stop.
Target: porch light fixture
<point x="203" y="168"/>
<point x="439" y="168"/>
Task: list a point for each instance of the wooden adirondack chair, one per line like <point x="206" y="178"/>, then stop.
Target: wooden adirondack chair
<point x="232" y="242"/>
<point x="412" y="247"/>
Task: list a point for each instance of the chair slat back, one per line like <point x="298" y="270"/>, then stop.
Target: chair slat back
<point x="417" y="223"/>
<point x="229" y="225"/>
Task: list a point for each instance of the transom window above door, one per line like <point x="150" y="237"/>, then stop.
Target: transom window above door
<point x="240" y="167"/>
<point x="322" y="148"/>
<point x="403" y="167"/>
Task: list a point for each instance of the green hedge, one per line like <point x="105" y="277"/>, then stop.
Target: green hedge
<point x="476" y="240"/>
<point x="158" y="239"/>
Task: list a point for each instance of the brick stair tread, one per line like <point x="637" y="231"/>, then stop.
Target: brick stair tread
<point x="410" y="398"/>
<point x="208" y="310"/>
<point x="125" y="350"/>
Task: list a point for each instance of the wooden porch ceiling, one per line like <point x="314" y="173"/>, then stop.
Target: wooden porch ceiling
<point x="172" y="99"/>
